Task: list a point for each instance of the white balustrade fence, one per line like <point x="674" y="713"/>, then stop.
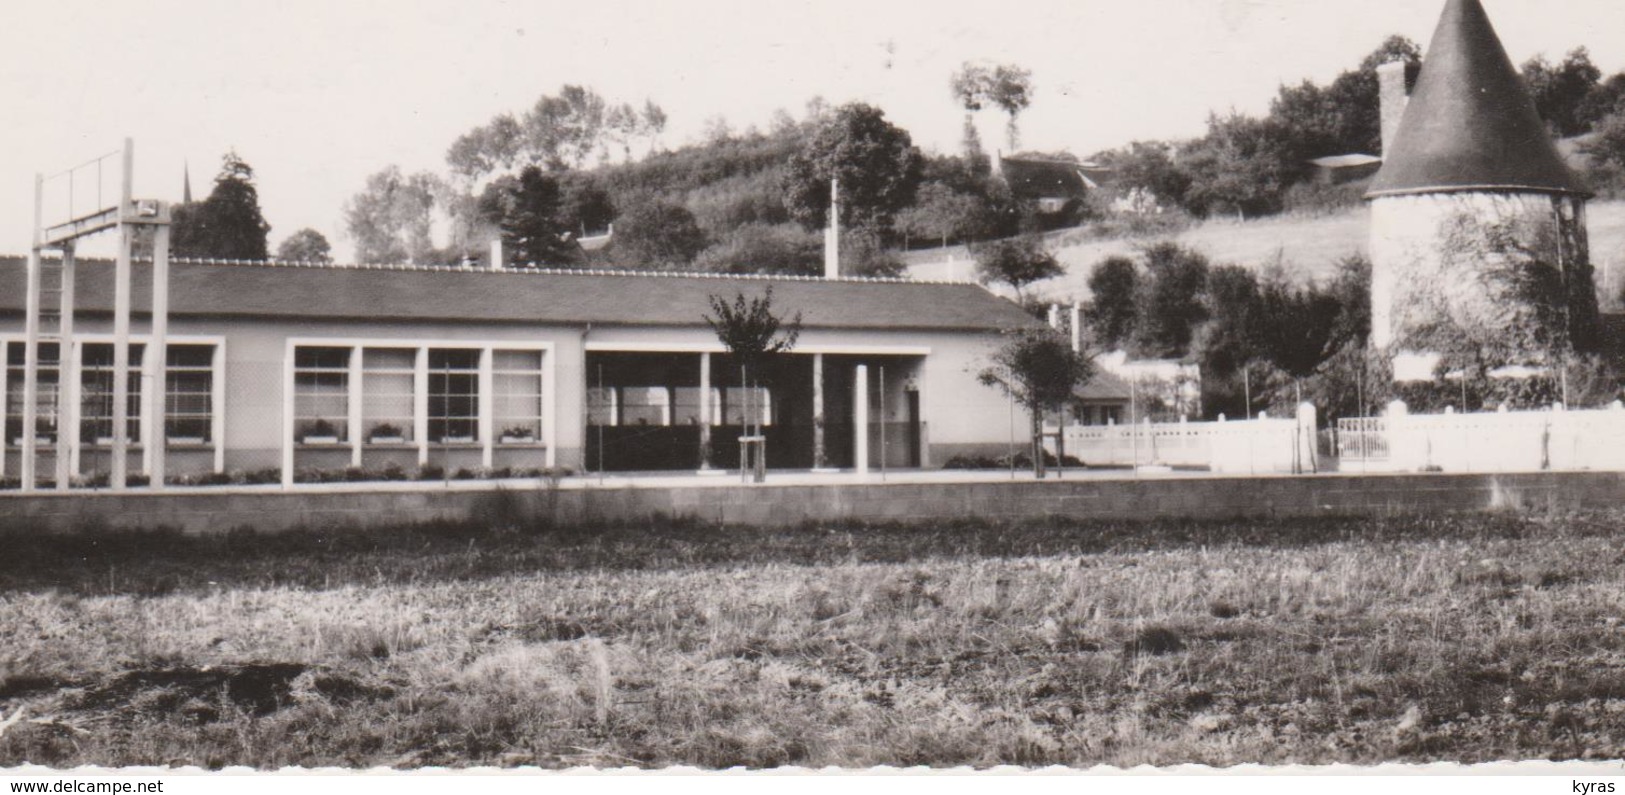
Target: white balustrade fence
<point x="1502" y="441"/>
<point x="1261" y="446"/>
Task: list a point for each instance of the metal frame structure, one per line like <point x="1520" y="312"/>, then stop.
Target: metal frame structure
<point x="53" y="321"/>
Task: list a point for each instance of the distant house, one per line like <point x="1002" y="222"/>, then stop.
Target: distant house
<point x="1343" y="169"/>
<point x="1106" y="399"/>
<point x="1055" y="187"/>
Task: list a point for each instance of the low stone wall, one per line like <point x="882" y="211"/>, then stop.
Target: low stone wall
<point x="201" y="511"/>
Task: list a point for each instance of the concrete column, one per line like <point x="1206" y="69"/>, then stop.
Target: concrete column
<point x="288" y="390"/>
<point x="420" y="405"/>
<point x="119" y="477"/>
<point x="487" y="408"/>
<point x="357" y="398"/>
<point x="217" y="405"/>
<point x="30" y="442"/>
<point x="67" y="409"/>
<point x="156" y="364"/>
<point x="705" y="411"/>
<point x="860" y="419"/>
<point x="820" y="451"/>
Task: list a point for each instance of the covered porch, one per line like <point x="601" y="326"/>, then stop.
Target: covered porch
<point x="685" y="410"/>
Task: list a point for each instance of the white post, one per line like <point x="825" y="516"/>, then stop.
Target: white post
<point x="358" y="435"/>
<point x="288" y="399"/>
<point x="157" y="357"/>
<point x="217" y="405"/>
<point x="497" y="262"/>
<point x="487" y="409"/>
<point x="820" y="454"/>
<point x="119" y="477"/>
<point x="860" y="419"/>
<point x="67" y="408"/>
<point x="420" y="405"/>
<point x="705" y="412"/>
<point x="30" y="441"/>
<point x="1077" y="327"/>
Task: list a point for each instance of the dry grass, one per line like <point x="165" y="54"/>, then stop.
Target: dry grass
<point x="1461" y="638"/>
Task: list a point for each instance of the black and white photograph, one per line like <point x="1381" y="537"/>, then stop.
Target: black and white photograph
<point x="523" y="386"/>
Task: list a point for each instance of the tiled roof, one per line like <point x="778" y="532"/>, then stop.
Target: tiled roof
<point x="547" y="297"/>
<point x="1471" y="124"/>
<point x="1031" y="178"/>
<point x="1104" y="386"/>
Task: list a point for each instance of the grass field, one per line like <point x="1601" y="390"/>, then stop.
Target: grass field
<point x="1468" y="638"/>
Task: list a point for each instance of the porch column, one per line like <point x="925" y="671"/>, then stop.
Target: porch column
<point x="353" y="410"/>
<point x="155" y="366"/>
<point x="119" y="477"/>
<point x="420" y="405"/>
<point x="487" y="408"/>
<point x="820" y="454"/>
<point x="860" y="419"/>
<point x="30" y="407"/>
<point x="705" y="411"/>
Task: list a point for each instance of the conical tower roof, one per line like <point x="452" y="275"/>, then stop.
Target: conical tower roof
<point x="1471" y="124"/>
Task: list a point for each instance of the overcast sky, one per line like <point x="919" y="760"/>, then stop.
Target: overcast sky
<point x="317" y="95"/>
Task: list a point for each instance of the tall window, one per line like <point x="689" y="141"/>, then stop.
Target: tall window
<point x="189" y="396"/>
<point x="96" y="398"/>
<point x="454" y="395"/>
<point x="45" y="401"/>
<point x="321" y="399"/>
<point x="387" y="405"/>
<point x="516" y="385"/>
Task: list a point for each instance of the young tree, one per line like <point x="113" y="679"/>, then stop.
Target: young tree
<point x="226" y="225"/>
<point x="305" y="245"/>
<point x="1300" y="328"/>
<point x="1017" y="262"/>
<point x="1561" y="92"/>
<point x="1113" y="308"/>
<point x="1244" y="165"/>
<point x="754" y="335"/>
<point x="942" y="213"/>
<point x="1039" y="370"/>
<point x="876" y="162"/>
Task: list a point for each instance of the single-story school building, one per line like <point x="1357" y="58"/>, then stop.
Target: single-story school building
<point x="274" y="366"/>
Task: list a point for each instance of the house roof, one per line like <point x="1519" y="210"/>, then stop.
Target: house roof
<point x="1032" y="178"/>
<point x="1471" y="124"/>
<point x="202" y="288"/>
<point x="1104" y="386"/>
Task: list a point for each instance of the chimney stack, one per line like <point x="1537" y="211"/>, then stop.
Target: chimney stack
<point x="1392" y="98"/>
<point x="832" y="233"/>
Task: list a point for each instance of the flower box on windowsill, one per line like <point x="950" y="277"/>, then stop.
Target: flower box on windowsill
<point x="39" y="441"/>
<point x="525" y="439"/>
<point x="387" y="440"/>
<point x="187" y="441"/>
<point x="319" y="440"/>
<point x="456" y="440"/>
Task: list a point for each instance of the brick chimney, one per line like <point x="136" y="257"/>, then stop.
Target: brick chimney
<point x="1393" y="98"/>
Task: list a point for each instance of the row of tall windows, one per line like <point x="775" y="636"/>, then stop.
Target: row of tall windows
<point x="389" y="399"/>
<point x="188" y="395"/>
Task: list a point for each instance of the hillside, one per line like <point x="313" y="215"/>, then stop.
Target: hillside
<point x="1307" y="244"/>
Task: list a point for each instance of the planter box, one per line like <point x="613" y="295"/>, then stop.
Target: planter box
<point x="319" y="440"/>
<point x="387" y="440"/>
<point x="38" y="440"/>
<point x="457" y="440"/>
<point x="185" y="440"/>
<point x="518" y="440"/>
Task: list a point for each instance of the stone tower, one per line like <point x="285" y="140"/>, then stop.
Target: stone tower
<point x="1478" y="231"/>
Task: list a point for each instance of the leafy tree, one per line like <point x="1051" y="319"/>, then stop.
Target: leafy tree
<point x="1112" y="311"/>
<point x="563" y="131"/>
<point x="754" y="335"/>
<point x="863" y="254"/>
<point x="1150" y="166"/>
<point x="1017" y="262"/>
<point x="942" y="213"/>
<point x="876" y="162"/>
<point x="390" y="220"/>
<point x="1004" y="86"/>
<point x="528" y="210"/>
<point x="1170" y="305"/>
<point x="1229" y="339"/>
<point x="1561" y="91"/>
<point x="1039" y="370"/>
<point x="1244" y="165"/>
<point x="1300" y="332"/>
<point x="657" y="234"/>
<point x="761" y="248"/>
<point x="305" y="245"/>
<point x="227" y="224"/>
<point x="585" y="205"/>
<point x="490" y="148"/>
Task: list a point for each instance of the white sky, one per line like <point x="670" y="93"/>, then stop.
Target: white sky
<point x="317" y="95"/>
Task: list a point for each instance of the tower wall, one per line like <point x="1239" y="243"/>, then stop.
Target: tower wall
<point x="1483" y="262"/>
